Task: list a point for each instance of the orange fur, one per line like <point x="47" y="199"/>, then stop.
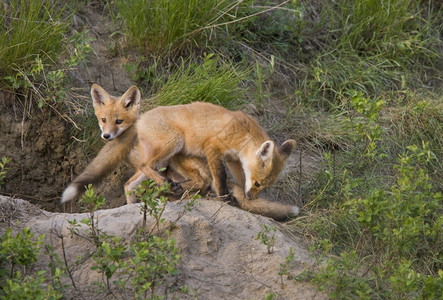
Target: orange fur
<point x="195" y="141"/>
<point x="212" y="132"/>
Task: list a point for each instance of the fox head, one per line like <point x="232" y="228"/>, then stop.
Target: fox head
<point x="115" y="114"/>
<point x="262" y="171"/>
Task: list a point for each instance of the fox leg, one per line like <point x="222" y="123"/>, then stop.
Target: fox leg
<point x="218" y="172"/>
<point x="193" y="172"/>
<point x="236" y="170"/>
<point x="155" y="156"/>
<point x="131" y="184"/>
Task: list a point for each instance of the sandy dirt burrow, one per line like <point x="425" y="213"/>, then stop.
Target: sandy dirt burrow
<point x="221" y="257"/>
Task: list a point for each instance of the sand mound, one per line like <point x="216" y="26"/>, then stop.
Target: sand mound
<point x="221" y="259"/>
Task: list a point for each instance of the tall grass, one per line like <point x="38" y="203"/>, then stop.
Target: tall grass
<point x="160" y="26"/>
<point x="211" y="81"/>
<point x="29" y="29"/>
<point x="373" y="46"/>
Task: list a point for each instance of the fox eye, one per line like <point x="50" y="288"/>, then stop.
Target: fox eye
<point x="257" y="184"/>
<point x="118" y="121"/>
<point x="104" y="120"/>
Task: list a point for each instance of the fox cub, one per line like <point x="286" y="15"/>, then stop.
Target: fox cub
<point x="196" y="140"/>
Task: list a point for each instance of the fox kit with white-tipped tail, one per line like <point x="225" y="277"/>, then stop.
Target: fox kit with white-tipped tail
<point x="169" y="136"/>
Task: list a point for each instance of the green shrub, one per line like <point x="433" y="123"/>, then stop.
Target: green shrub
<point x="20" y="252"/>
<point x="389" y="241"/>
<point x="407" y="219"/>
<point x="140" y="265"/>
<point x="22" y="287"/>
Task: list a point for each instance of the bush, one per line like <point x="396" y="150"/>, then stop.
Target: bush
<point x="20" y="252"/>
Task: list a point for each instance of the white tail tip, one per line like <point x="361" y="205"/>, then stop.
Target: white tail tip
<point x="69" y="194"/>
<point x="294" y="211"/>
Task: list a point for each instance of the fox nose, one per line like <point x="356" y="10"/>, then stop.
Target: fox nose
<point x="106" y="136"/>
<point x="249" y="195"/>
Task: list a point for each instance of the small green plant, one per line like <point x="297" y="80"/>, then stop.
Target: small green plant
<point x="57" y="269"/>
<point x="286" y="267"/>
<point x="17" y="255"/>
<point x="80" y="49"/>
<point x="94" y="203"/>
<point x="3" y="169"/>
<point x="109" y="260"/>
<point x="267" y="238"/>
<point x="368" y="129"/>
<point x="151" y="262"/>
<point x="140" y="265"/>
<point x="271" y="296"/>
<point x="153" y="199"/>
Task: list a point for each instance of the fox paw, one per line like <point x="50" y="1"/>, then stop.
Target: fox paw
<point x="175" y="187"/>
<point x="231" y="200"/>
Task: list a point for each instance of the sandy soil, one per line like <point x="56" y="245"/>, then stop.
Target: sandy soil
<point x="221" y="257"/>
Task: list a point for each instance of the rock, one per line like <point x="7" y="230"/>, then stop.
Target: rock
<point x="221" y="259"/>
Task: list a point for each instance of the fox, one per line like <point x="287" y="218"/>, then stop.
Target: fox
<point x="195" y="175"/>
<point x="176" y="136"/>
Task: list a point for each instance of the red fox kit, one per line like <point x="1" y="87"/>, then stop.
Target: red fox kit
<point x="195" y="174"/>
<point x="212" y="132"/>
<point x="167" y="136"/>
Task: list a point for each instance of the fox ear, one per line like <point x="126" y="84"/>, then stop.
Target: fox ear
<point x="99" y="95"/>
<point x="131" y="97"/>
<point x="286" y="148"/>
<point x="265" y="151"/>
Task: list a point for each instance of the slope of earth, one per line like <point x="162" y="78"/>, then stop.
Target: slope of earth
<point x="221" y="259"/>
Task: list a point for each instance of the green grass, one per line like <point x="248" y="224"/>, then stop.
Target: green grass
<point x="28" y="30"/>
<point x="160" y="26"/>
<point x="358" y="84"/>
<point x="370" y="46"/>
<point x="211" y="81"/>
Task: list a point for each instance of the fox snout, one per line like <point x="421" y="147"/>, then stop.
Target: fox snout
<point x="251" y="194"/>
<point x="106" y="136"/>
<point x="110" y="136"/>
<point x="111" y="132"/>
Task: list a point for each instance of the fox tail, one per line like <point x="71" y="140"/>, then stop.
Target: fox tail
<point x="109" y="157"/>
<point x="264" y="207"/>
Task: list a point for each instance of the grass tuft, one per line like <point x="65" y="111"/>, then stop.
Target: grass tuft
<point x="161" y="26"/>
<point x="29" y="30"/>
<point x="211" y="81"/>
